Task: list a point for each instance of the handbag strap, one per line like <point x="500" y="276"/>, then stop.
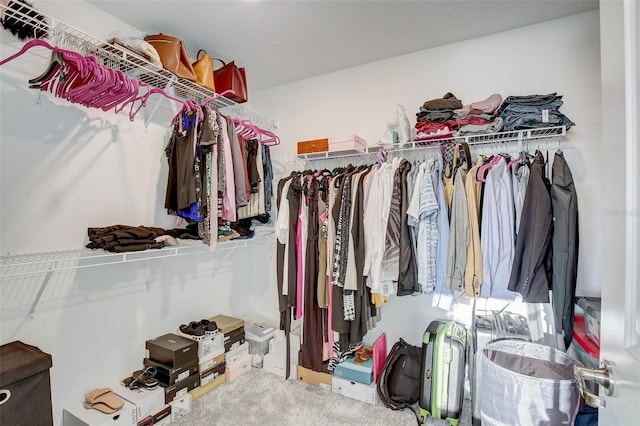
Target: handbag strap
<point x="200" y="51"/>
<point x="218" y="59"/>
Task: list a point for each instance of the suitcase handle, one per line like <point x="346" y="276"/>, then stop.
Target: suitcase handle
<point x="5" y="395"/>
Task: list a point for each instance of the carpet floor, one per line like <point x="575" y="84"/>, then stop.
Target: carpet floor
<point x="261" y="398"/>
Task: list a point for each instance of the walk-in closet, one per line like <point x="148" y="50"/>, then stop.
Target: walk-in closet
<point x="170" y="252"/>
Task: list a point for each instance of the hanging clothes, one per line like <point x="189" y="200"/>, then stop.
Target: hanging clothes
<point x="497" y="233"/>
<point x="531" y="271"/>
<point x="564" y="202"/>
<point x="473" y="267"/>
<point x="407" y="269"/>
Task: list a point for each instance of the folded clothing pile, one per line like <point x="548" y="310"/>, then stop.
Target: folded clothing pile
<point x="533" y="111"/>
<point x="436" y="116"/>
<point x="479" y="117"/>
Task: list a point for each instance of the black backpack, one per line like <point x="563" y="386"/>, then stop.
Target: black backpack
<point x="399" y="382"/>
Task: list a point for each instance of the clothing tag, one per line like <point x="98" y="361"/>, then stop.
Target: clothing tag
<point x="545" y="115"/>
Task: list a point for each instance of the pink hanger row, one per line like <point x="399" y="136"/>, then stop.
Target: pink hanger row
<point x="83" y="80"/>
<point x="248" y="130"/>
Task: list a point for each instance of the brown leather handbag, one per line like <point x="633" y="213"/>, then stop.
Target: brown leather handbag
<point x="203" y="67"/>
<point x="173" y="55"/>
<point x="230" y="77"/>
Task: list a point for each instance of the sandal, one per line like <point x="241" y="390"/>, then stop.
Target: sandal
<point x="363" y="354"/>
<point x="103" y="400"/>
<point x="142" y="379"/>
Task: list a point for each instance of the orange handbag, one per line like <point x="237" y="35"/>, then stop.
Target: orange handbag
<point x="173" y="55"/>
<point x="203" y="67"/>
<point x="230" y="77"/>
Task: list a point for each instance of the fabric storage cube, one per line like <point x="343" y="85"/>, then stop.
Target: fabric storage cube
<point x="258" y="337"/>
<point x="25" y="386"/>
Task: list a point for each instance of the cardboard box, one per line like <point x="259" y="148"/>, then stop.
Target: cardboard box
<point x="77" y="415"/>
<point x="355" y="390"/>
<point x="147" y="421"/>
<point x="314" y="378"/>
<point x="180" y="407"/>
<point x="233" y="339"/>
<point x="177" y="390"/>
<point x="211" y="361"/>
<point x="168" y="375"/>
<point x="313" y="145"/>
<point x="212" y="374"/>
<point x="237" y="353"/>
<point x="210" y="345"/>
<point x="349" y="370"/>
<point x="226" y="323"/>
<point x="162" y="417"/>
<point x="172" y="350"/>
<point x="146" y="401"/>
<point x="238" y="368"/>
<point x="275" y="364"/>
<point x="200" y="391"/>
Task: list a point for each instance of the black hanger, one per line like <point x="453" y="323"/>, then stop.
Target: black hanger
<point x="55" y="63"/>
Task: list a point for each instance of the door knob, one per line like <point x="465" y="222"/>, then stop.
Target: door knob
<point x="600" y="376"/>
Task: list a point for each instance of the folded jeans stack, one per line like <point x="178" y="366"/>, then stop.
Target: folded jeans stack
<point x="533" y="111"/>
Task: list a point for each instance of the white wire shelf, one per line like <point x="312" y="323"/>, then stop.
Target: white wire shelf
<point x="40" y="263"/>
<point x="134" y="65"/>
<point x="522" y="136"/>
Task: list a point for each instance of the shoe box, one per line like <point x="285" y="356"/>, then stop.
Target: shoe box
<point x="24" y="372"/>
<point x="235" y="354"/>
<point x="232" y="330"/>
<point x="202" y="390"/>
<point x="167" y="375"/>
<point x="314" y="378"/>
<point x="180" y="407"/>
<point x="172" y="350"/>
<point x="238" y="368"/>
<point x="275" y="364"/>
<point x="210" y="375"/>
<point x="355" y="390"/>
<point x="179" y="357"/>
<point x="75" y="414"/>
<point x="350" y="370"/>
<point x="211" y="360"/>
<point x="145" y="401"/>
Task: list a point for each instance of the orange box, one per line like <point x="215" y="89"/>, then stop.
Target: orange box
<point x="311" y="146"/>
<point x="314" y="378"/>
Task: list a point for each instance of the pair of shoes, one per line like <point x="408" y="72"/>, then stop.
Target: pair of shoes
<point x="198" y="330"/>
<point x="103" y="399"/>
<point x="142" y="379"/>
<point x="363" y="354"/>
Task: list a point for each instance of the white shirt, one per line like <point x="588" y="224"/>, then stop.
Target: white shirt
<point x="282" y="232"/>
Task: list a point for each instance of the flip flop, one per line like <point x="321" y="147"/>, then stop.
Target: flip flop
<point x="142" y="379"/>
<point x="103" y="399"/>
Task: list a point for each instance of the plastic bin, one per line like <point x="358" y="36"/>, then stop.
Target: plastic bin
<point x="258" y="336"/>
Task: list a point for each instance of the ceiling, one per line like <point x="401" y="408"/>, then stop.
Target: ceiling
<point x="280" y="42"/>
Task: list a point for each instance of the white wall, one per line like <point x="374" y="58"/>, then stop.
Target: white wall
<point x="557" y="56"/>
<point x="65" y="168"/>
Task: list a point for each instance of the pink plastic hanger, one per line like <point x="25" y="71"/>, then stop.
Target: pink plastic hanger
<point x="218" y="95"/>
<point x="481" y="174"/>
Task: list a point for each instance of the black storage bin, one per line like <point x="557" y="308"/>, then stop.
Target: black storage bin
<point x="25" y="387"/>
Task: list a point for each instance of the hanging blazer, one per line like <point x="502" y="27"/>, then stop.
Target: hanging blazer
<point x="530" y="274"/>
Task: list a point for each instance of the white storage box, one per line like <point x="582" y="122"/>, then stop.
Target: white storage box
<point x="275" y="364"/>
<point x="258" y="336"/>
<point x="355" y="390"/>
<point x="351" y="144"/>
<point x="278" y="345"/>
<point x="211" y="360"/>
<point x="210" y="345"/>
<point x="77" y="415"/>
<point x="146" y="401"/>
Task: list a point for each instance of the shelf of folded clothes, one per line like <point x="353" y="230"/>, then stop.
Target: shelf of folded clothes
<point x="40" y="263"/>
<point x="537" y="134"/>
